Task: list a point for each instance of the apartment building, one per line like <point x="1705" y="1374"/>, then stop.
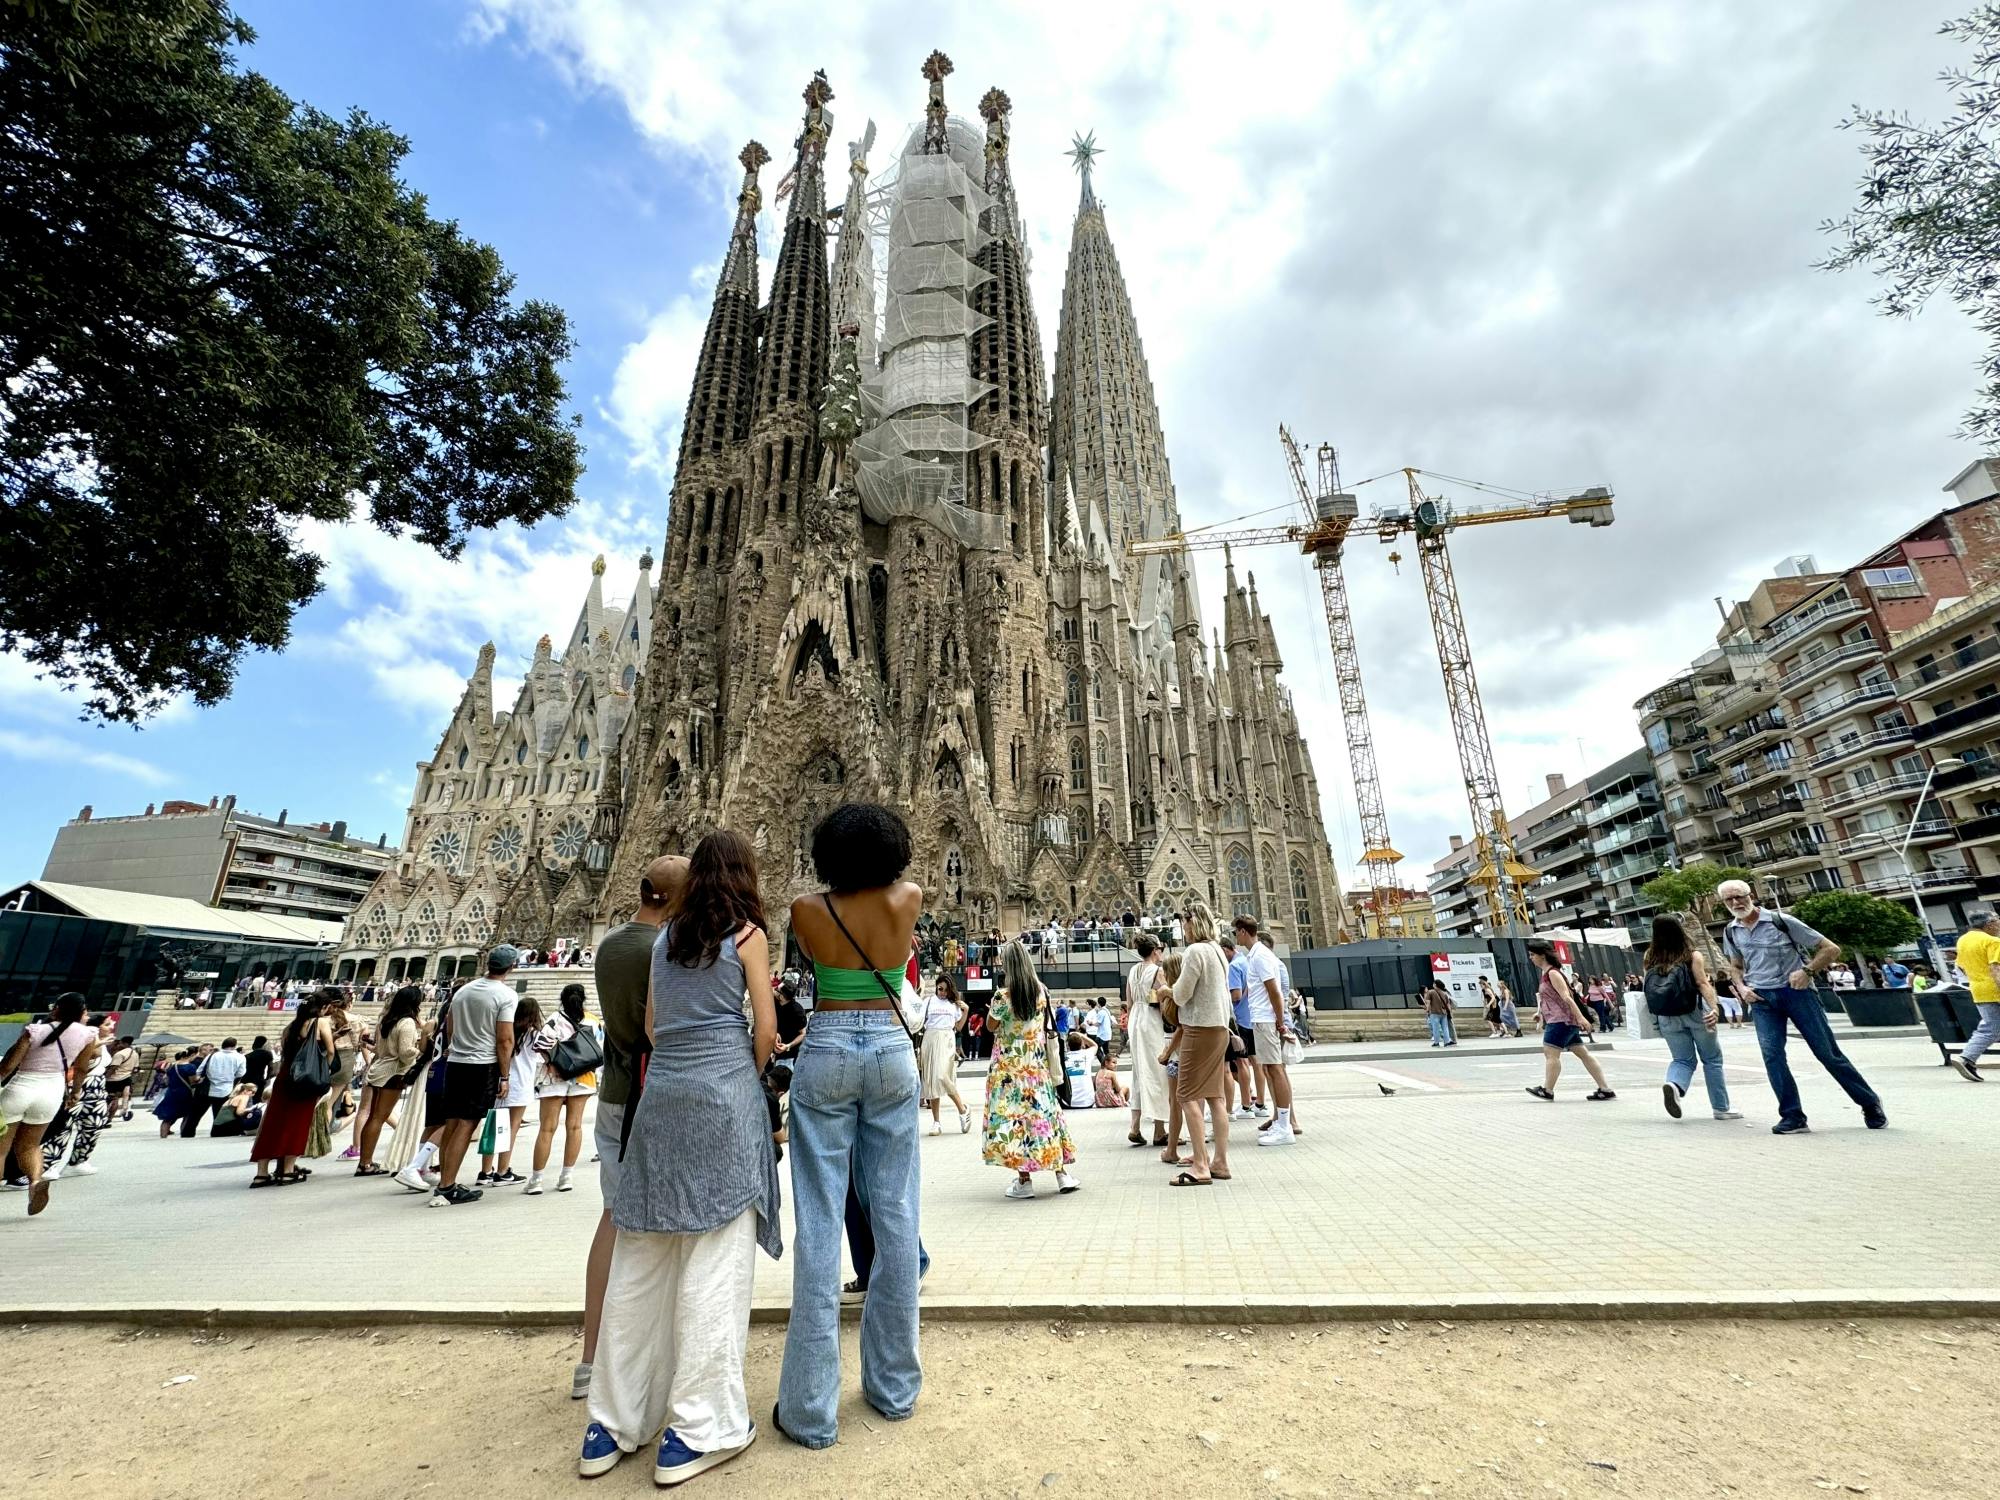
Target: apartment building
<point x="218" y="855"/>
<point x="1592" y="845"/>
<point x="1793" y="748"/>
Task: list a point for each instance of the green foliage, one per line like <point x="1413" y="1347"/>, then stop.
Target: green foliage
<point x="840" y="409"/>
<point x="1929" y="215"/>
<point x="1856" y="920"/>
<point x="1691" y="889"/>
<point x="222" y="315"/>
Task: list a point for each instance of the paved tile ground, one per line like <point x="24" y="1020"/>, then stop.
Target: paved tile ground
<point x="1458" y="1186"/>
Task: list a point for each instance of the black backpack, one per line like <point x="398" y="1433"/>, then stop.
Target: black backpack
<point x="1673" y="992"/>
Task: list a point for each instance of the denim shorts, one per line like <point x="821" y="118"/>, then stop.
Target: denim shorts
<point x="1560" y="1034"/>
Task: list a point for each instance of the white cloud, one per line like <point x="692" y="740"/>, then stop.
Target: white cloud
<point x="1541" y="244"/>
<point x="414" y="621"/>
<point x="58" y="750"/>
<point x="649" y="390"/>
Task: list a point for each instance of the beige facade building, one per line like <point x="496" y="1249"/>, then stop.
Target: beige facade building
<point x="1800" y="745"/>
<point x="221" y="856"/>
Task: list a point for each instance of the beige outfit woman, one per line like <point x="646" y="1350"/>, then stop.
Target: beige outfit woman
<point x="1202" y="994"/>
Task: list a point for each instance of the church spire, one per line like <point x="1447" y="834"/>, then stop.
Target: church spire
<point x="725" y="371"/>
<point x="793" y="367"/>
<point x="1083" y="151"/>
<point x="936" y="68"/>
<point x="739" y="267"/>
<point x="994" y="108"/>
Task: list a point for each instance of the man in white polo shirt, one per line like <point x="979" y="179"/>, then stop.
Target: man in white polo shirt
<point x="1271" y="1025"/>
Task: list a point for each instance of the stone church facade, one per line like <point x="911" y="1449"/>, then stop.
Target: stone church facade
<point x="932" y="606"/>
<point x="512" y="819"/>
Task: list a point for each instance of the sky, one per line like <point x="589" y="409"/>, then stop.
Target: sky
<point x="1536" y="243"/>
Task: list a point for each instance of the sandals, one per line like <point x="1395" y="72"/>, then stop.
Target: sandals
<point x="1188" y="1179"/>
<point x="371" y="1170"/>
<point x="265" y="1181"/>
<point x="1135" y="1138"/>
<point x="1541" y="1093"/>
<point x="1215" y="1176"/>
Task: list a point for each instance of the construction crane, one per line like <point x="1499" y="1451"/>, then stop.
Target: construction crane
<point x="1499" y="872"/>
<point x="1329" y="511"/>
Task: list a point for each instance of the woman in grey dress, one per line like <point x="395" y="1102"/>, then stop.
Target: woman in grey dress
<point x="698" y="1194"/>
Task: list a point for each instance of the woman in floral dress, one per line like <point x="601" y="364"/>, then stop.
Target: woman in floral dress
<point x="1025" y="1131"/>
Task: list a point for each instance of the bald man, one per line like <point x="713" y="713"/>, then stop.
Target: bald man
<point x="624" y="964"/>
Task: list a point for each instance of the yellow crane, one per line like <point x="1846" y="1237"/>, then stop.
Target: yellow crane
<point x="1321" y="533"/>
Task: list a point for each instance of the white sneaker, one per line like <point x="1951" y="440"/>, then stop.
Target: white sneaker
<point x="563" y="1184"/>
<point x="1729" y="1114"/>
<point x="1020" y="1188"/>
<point x="1277" y="1135"/>
<point x="579" y="1382"/>
<point x="1066" y="1183"/>
<point x="1243" y="1114"/>
<point x="80" y="1169"/>
<point x="964" y="1121"/>
<point x="414" y="1180"/>
<point x="53" y="1174"/>
<point x="13" y="1187"/>
<point x="534" y="1187"/>
<point x="937" y="1128"/>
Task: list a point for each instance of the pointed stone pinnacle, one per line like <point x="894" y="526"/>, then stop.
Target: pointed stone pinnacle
<point x="994" y="104"/>
<point x="754" y="156"/>
<point x="936" y="67"/>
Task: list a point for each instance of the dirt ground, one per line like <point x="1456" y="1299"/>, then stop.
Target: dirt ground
<point x="1749" y="1408"/>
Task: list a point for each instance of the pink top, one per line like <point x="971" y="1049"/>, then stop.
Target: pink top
<point x="44" y="1057"/>
<point x="1549" y="1004"/>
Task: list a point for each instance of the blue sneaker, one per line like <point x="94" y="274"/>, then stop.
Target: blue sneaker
<point x="677" y="1462"/>
<point x="600" y="1452"/>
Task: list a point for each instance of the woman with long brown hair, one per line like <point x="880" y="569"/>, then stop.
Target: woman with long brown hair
<point x="698" y="1193"/>
<point x="1202" y="995"/>
<point x="1683" y="1003"/>
<point x="399" y="1041"/>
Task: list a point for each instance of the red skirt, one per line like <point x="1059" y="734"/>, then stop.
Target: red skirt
<point x="287" y="1122"/>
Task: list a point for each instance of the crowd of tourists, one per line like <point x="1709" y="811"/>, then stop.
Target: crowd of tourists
<point x="707" y="1072"/>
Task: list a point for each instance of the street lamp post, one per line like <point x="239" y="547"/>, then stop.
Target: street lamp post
<point x="1927" y="942"/>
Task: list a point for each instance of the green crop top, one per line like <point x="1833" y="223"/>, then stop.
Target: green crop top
<point x="854" y="984"/>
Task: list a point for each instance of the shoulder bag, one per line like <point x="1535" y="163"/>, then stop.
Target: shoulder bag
<point x="576" y="1054"/>
<point x="311" y="1072"/>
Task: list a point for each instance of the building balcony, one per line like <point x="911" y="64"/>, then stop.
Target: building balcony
<point x="1953" y="666"/>
<point x="1819" y="713"/>
<point x="1927" y="880"/>
<point x="260" y="899"/>
<point x="1932" y="831"/>
<point x="1647" y="830"/>
<point x="1702" y="770"/>
<point x="1781" y="808"/>
<point x="1808" y="622"/>
<point x="1979" y="830"/>
<point x="1641" y="869"/>
<point x="1795" y="854"/>
<point x="1954" y="722"/>
<point x="1646" y="797"/>
<point x="1753" y="731"/>
<point x="241" y="865"/>
<point x="1840" y="657"/>
<point x="1741" y="699"/>
<point x="1875" y="791"/>
<point x="1579" y="880"/>
<point x="1661" y="699"/>
<point x="1860" y="745"/>
<point x="1762" y="775"/>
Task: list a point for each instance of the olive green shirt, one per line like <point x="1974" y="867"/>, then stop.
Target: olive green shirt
<point x="623" y="964"/>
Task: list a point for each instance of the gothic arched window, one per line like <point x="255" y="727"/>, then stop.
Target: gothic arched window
<point x="1241" y="892"/>
<point x="1076" y="765"/>
<point x="1073" y="697"/>
<point x="1097" y="695"/>
<point x="1301" y="900"/>
<point x="1103" y="759"/>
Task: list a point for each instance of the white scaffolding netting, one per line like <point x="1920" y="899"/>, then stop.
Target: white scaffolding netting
<point x="910" y="460"/>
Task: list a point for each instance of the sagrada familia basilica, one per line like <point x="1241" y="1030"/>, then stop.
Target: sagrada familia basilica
<point x="895" y="569"/>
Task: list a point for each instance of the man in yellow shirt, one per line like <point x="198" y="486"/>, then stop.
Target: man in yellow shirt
<point x="1979" y="956"/>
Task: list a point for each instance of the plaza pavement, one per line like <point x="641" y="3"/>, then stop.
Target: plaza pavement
<point x="1457" y="1192"/>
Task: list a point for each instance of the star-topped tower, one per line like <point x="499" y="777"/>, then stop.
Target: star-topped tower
<point x="1083" y="152"/>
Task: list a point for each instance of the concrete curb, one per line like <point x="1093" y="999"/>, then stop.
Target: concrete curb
<point x="1357" y="1308"/>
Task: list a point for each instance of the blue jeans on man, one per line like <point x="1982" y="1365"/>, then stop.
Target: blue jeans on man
<point x="1440" y="1030"/>
<point x="1688" y="1037"/>
<point x="1803" y="1009"/>
<point x="854" y="1095"/>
